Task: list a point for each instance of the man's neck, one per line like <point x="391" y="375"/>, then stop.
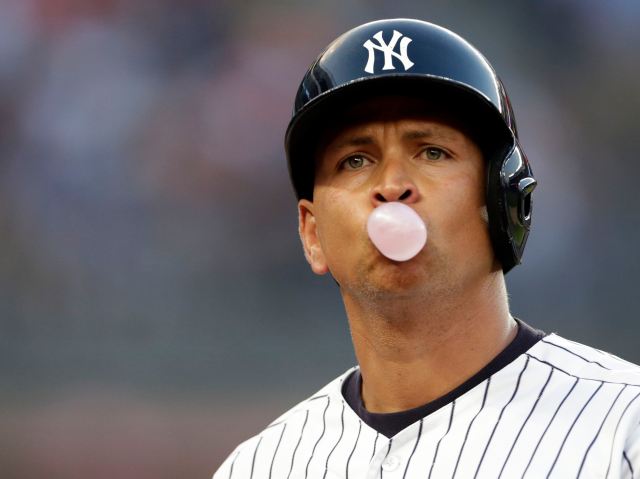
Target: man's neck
<point x="413" y="352"/>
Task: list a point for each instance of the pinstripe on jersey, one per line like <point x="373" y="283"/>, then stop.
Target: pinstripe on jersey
<point x="561" y="410"/>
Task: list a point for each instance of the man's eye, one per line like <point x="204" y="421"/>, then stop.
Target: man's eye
<point x="433" y="153"/>
<point x="354" y="162"/>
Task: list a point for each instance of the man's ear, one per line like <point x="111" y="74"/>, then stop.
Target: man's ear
<point x="308" y="231"/>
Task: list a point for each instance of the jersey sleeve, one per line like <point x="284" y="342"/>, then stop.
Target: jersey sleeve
<point x="224" y="471"/>
<point x="239" y="461"/>
<point x="631" y="455"/>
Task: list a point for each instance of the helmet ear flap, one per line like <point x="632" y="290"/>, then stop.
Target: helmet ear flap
<point x="525" y="188"/>
<point x="510" y="184"/>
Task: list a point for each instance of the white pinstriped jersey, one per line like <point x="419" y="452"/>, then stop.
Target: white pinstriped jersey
<point x="560" y="410"/>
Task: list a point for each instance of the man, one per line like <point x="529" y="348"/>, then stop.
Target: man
<point x="449" y="384"/>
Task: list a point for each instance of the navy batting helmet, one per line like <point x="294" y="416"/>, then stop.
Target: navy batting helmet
<point x="412" y="57"/>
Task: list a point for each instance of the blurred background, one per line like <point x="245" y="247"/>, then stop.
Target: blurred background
<point x="155" y="305"/>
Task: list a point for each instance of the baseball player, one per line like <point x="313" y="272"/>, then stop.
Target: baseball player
<point x="415" y="195"/>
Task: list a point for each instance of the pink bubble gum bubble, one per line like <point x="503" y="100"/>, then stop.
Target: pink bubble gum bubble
<point x="397" y="231"/>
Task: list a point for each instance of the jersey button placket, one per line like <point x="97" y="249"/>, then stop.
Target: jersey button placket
<point x="391" y="463"/>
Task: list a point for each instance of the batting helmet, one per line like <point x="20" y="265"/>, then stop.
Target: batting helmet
<point x="412" y="57"/>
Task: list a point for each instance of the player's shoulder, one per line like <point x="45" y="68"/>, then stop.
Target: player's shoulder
<point x="578" y="360"/>
<point x="332" y="390"/>
<point x="274" y="431"/>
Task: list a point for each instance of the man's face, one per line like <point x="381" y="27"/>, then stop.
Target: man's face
<point x="394" y="149"/>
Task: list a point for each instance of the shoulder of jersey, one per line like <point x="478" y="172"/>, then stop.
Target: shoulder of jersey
<point x="584" y="362"/>
<point x="298" y="412"/>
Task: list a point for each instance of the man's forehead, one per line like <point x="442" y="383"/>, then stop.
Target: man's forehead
<point x="410" y="129"/>
<point x="357" y="117"/>
<point x="393" y="106"/>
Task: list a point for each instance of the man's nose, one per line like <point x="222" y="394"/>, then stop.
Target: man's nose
<point x="394" y="183"/>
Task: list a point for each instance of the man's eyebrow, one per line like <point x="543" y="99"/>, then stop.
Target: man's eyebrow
<point x="363" y="140"/>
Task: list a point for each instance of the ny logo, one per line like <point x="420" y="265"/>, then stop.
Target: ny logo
<point x="388" y="50"/>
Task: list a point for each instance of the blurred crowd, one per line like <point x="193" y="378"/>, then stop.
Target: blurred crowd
<point x="149" y="237"/>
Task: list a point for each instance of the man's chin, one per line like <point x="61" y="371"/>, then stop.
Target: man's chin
<point x="395" y="280"/>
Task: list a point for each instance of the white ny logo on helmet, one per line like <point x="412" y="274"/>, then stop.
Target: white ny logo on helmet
<point x="388" y="50"/>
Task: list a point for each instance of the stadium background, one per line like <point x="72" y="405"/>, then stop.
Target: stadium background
<point x="155" y="306"/>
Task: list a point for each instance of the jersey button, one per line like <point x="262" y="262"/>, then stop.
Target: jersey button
<point x="391" y="463"/>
